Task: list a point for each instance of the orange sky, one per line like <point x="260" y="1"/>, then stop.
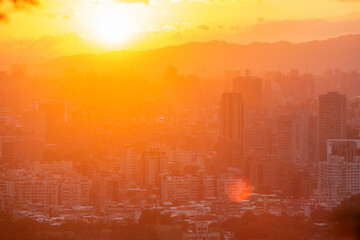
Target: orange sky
<point x="105" y="25"/>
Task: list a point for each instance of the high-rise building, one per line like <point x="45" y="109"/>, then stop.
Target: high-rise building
<point x="231" y="142"/>
<point x="169" y="80"/>
<point x="55" y="115"/>
<point x="251" y="90"/>
<point x="264" y="174"/>
<point x="293" y="138"/>
<point x="187" y="90"/>
<point x="33" y="123"/>
<point x="209" y="187"/>
<point x="130" y="164"/>
<point x="257" y="139"/>
<point x="184" y="90"/>
<point x="229" y="76"/>
<point x="332" y="119"/>
<point x="154" y="163"/>
<point x="339" y="175"/>
<point x="313" y="140"/>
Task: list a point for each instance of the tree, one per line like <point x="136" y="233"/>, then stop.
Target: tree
<point x="347" y="218"/>
<point x="134" y="232"/>
<point x="320" y="215"/>
<point x="149" y="217"/>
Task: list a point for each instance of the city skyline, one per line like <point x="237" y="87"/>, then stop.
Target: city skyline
<point x="179" y="120"/>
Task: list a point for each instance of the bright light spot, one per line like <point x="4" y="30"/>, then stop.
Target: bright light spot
<point x="113" y="25"/>
<point x="237" y="190"/>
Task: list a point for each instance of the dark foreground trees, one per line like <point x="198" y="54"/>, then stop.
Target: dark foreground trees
<point x="346" y="219"/>
<point x="28" y="229"/>
<point x="342" y="223"/>
<point x="266" y="226"/>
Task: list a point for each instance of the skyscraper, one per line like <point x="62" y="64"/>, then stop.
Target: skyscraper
<point x="231" y="142"/>
<point x="332" y="119"/>
<point x="293" y="138"/>
<point x="251" y="90"/>
<point x="154" y="163"/>
<point x="130" y="164"/>
<point x="55" y="115"/>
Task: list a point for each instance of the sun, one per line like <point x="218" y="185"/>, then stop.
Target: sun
<point x="113" y="25"/>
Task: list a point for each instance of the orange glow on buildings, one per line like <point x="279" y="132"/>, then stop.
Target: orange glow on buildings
<point x="238" y="190"/>
<point x="179" y="119"/>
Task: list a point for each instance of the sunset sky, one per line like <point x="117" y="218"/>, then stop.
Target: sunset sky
<point x="112" y="25"/>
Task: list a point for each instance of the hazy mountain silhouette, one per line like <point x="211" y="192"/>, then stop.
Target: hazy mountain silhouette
<point x="217" y="56"/>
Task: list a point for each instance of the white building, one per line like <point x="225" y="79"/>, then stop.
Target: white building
<point x="130" y="164"/>
<point x="201" y="233"/>
<point x="339" y="176"/>
<point x="183" y="188"/>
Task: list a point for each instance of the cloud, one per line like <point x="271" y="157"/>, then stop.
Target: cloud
<point x="120" y="1"/>
<point x="3" y="17"/>
<point x="261" y="20"/>
<point x="204" y="27"/>
<point x="66" y="16"/>
<point x="44" y="48"/>
<point x="71" y="15"/>
<point x="12" y="5"/>
<point x="207" y="1"/>
<point x="132" y="1"/>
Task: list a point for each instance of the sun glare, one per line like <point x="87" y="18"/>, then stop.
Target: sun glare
<point x="113" y="25"/>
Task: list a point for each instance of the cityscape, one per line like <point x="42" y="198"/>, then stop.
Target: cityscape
<point x="202" y="140"/>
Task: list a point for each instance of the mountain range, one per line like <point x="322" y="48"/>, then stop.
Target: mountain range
<point x="214" y="57"/>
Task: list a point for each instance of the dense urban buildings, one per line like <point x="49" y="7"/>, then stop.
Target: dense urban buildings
<point x="197" y="158"/>
<point x="96" y="155"/>
<point x="179" y="120"/>
<point x="231" y="141"/>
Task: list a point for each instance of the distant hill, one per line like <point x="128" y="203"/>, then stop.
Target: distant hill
<point x="214" y="57"/>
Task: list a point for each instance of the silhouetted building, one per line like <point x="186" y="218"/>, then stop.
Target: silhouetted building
<point x="250" y="89"/>
<point x="187" y="90"/>
<point x="154" y="162"/>
<point x="293" y="138"/>
<point x="332" y="119"/>
<point x="130" y="165"/>
<point x="55" y="115"/>
<point x="231" y="142"/>
<point x="184" y="90"/>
